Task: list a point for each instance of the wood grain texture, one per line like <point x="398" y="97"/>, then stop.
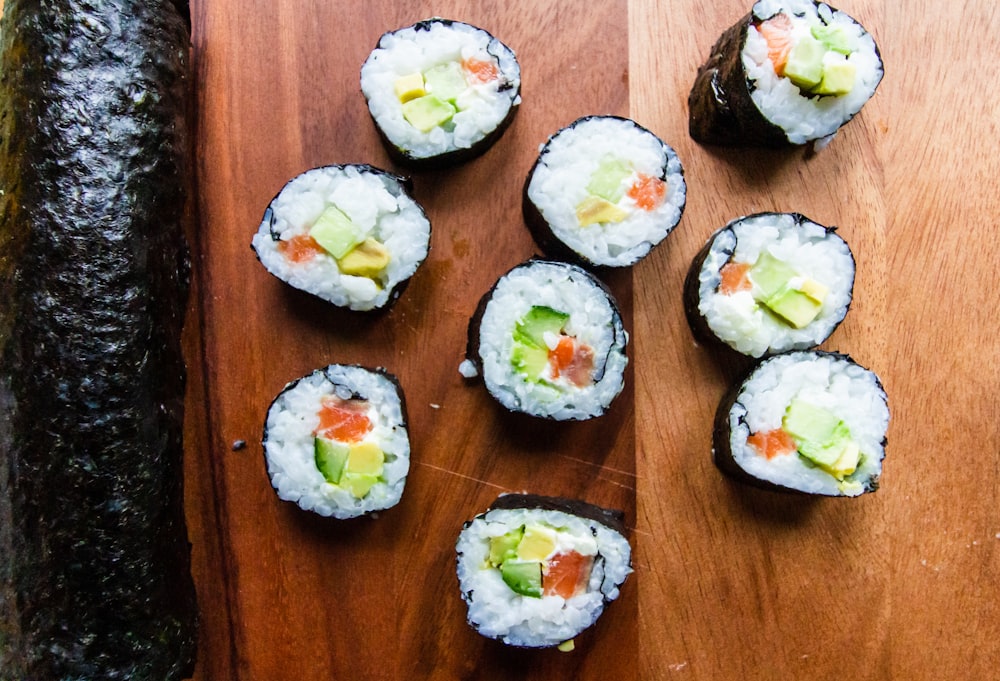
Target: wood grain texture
<point x="729" y="582"/>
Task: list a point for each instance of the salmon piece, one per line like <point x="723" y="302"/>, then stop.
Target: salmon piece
<point x="300" y="248"/>
<point x="566" y="574"/>
<point x="573" y="360"/>
<point x="772" y="443"/>
<point x="480" y="71"/>
<point x="343" y="420"/>
<point x="777" y="31"/>
<point x="648" y="192"/>
<point x="734" y="278"/>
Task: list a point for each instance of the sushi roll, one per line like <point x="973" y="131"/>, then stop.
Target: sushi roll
<point x="537" y="571"/>
<point x="603" y="192"/>
<point x="440" y="92"/>
<point x="336" y="441"/>
<point x="790" y="72"/>
<point x="349" y="234"/>
<point x="811" y="422"/>
<point x="768" y="283"/>
<point x="548" y="341"/>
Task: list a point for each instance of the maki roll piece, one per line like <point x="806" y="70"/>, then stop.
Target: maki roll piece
<point x="603" y="192"/>
<point x="768" y="283"/>
<point x="548" y="341"/>
<point x="440" y="92"/>
<point x="811" y="422"/>
<point x="336" y="441"/>
<point x="536" y="571"/>
<point x="349" y="234"/>
<point x="790" y="72"/>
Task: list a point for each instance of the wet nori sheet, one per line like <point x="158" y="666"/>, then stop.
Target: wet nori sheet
<point x="721" y="110"/>
<point x="94" y="559"/>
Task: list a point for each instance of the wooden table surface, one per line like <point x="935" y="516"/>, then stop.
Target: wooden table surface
<point x="729" y="582"/>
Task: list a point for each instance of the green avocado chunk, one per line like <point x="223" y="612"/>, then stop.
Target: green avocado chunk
<point x="805" y="63"/>
<point x="427" y="112"/>
<point x="335" y="232"/>
<point x="838" y="78"/>
<point x="835" y="38"/>
<point x="330" y="457"/>
<point x="795" y="307"/>
<point x="504" y="547"/>
<point x="820" y="435"/>
<point x="529" y="359"/>
<point x="445" y="81"/>
<point x="606" y="182"/>
<point x="358" y="484"/>
<point x="532" y="327"/>
<point x="770" y="275"/>
<point x="523" y="577"/>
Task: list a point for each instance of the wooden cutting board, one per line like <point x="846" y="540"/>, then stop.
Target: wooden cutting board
<point x="729" y="583"/>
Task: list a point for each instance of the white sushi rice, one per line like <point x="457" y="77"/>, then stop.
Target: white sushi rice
<point x="375" y="202"/>
<point x="737" y="319"/>
<point x="498" y="612"/>
<point x="829" y="381"/>
<point x="805" y="118"/>
<point x="289" y="447"/>
<point x="482" y="107"/>
<point x="567" y="162"/>
<point x="593" y="320"/>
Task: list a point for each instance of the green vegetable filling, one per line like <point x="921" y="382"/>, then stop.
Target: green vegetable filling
<point x="355" y="467"/>
<point x="822" y="438"/>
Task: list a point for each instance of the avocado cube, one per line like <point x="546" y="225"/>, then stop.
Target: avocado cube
<point x="330" y="457"/>
<point x="529" y="360"/>
<point x="805" y="63"/>
<point x="504" y="547"/>
<point x="538" y="321"/>
<point x="794" y="307"/>
<point x="538" y="543"/>
<point x="427" y="112"/>
<point x="770" y="276"/>
<point x="367" y="259"/>
<point x="838" y="78"/>
<point x="523" y="577"/>
<point x="409" y="87"/>
<point x="607" y="181"/>
<point x="445" y="81"/>
<point x="358" y="484"/>
<point x="814" y="290"/>
<point x="335" y="232"/>
<point x="834" y="38"/>
<point x="594" y="210"/>
<point x="847" y="462"/>
<point x="365" y="458"/>
<point x="819" y="434"/>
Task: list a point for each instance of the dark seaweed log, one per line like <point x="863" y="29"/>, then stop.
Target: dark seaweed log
<point x="94" y="559"/>
<point x="720" y="108"/>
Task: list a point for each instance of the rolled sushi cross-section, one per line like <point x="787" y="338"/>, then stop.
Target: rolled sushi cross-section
<point x="336" y="441"/>
<point x="811" y="422"/>
<point x="549" y="341"/>
<point x="789" y="72"/>
<point x="603" y="192"/>
<point x="349" y="234"/>
<point x="768" y="283"/>
<point x="537" y="571"/>
<point x="440" y="91"/>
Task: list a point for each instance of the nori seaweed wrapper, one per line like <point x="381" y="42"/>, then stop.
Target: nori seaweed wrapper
<point x="94" y="559"/>
<point x="611" y="518"/>
<point x="720" y="108"/>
